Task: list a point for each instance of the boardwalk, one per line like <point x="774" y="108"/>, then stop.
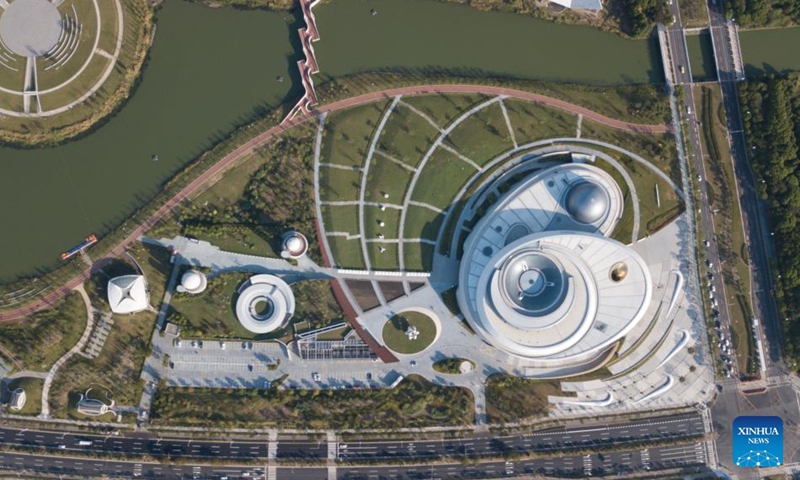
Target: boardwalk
<point x="200" y="182"/>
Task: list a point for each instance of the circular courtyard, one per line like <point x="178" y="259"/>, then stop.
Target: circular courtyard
<point x="409" y="332"/>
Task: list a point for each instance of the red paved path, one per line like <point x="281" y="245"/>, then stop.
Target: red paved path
<point x="196" y="185"/>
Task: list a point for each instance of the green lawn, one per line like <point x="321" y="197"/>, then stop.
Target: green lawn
<point x="337" y="185"/>
<point x="56" y="76"/>
<point x="10" y="79"/>
<point x="441" y="179"/>
<point x="443" y="109"/>
<point x="348" y="133"/>
<point x="415" y="402"/>
<point x="340" y="218"/>
<point x="624" y="229"/>
<point x="482" y="136"/>
<point x="45" y="336"/>
<point x="386" y="176"/>
<point x="346" y="253"/>
<point x="387" y="260"/>
<point x="532" y="121"/>
<point x="513" y="399"/>
<point x="422" y="222"/>
<point x="97" y="65"/>
<point x="156" y="267"/>
<point x="33" y="395"/>
<point x="418" y="257"/>
<point x="407" y="136"/>
<point x="395" y="338"/>
<point x="390" y="217"/>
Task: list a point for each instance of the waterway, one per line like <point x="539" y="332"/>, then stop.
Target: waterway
<point x="210" y="70"/>
<point x="426" y="35"/>
<point x="770" y="51"/>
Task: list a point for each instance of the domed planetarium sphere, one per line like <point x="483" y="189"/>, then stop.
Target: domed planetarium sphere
<point x="193" y="282"/>
<point x="587" y="202"/>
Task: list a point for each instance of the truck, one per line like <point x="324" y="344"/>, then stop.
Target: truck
<point x="84" y="443"/>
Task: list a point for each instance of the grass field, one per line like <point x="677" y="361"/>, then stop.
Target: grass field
<point x="443" y="109"/>
<point x="33" y="395"/>
<point x="415" y="402"/>
<point x="407" y="136"/>
<point x="337" y="185"/>
<point x="422" y="222"/>
<point x="390" y="218"/>
<point x="514" y="399"/>
<point x="482" y="136"/>
<point x="348" y="133"/>
<point x="532" y="121"/>
<point x="346" y="253"/>
<point x="340" y="218"/>
<point x="389" y="259"/>
<point x="441" y="179"/>
<point x="45" y="336"/>
<point x="386" y="176"/>
<point x="418" y="257"/>
<point x="395" y="338"/>
<point x="88" y="19"/>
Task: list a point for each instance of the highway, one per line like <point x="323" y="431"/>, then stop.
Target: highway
<point x="681" y="69"/>
<point x="753" y="209"/>
<point x="626" y="461"/>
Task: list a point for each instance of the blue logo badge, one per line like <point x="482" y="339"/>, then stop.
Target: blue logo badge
<point x="758" y="442"/>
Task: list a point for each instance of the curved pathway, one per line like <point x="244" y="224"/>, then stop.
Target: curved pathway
<point x="247" y="147"/>
<point x="48" y="381"/>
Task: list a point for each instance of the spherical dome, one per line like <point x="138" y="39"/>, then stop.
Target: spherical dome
<point x="533" y="284"/>
<point x="191" y="280"/>
<point x="295" y="245"/>
<point x="587" y="202"/>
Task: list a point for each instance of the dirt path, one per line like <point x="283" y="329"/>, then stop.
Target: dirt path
<point x="247" y="147"/>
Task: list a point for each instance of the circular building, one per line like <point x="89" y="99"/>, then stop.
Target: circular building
<point x="294" y="245"/>
<point x="540" y="280"/>
<point x="193" y="282"/>
<point x="265" y="304"/>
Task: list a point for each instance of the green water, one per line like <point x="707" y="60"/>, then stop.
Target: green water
<point x="210" y="70"/>
<point x="431" y="35"/>
<point x="213" y="69"/>
<point x="701" y="57"/>
<point x="770" y="51"/>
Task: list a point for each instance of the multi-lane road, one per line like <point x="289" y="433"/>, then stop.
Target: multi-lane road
<point x="37" y="450"/>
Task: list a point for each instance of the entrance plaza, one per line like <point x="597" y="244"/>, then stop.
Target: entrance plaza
<point x="546" y="272"/>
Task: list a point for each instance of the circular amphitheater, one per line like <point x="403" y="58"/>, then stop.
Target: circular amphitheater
<point x="55" y="55"/>
<point x="265" y="303"/>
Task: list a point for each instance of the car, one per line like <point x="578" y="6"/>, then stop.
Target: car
<point x="413" y="363"/>
<point x="249" y="367"/>
<point x="722" y="337"/>
<point x="709" y="264"/>
<point x="369" y="376"/>
<point x="178" y="343"/>
<point x="249" y="345"/>
<point x="706" y="243"/>
<point x="713" y="288"/>
<point x="244" y="345"/>
<point x="61" y="446"/>
<point x="699" y="178"/>
<point x="715" y="303"/>
<point x="222" y="345"/>
<point x="711" y="295"/>
<point x="683" y="70"/>
<point x="199" y="344"/>
<point x="194" y="344"/>
<point x="689" y="110"/>
<point x="315" y="376"/>
<point x="717" y="324"/>
<point x="719" y="387"/>
<point x="728" y="373"/>
<point x="711" y="275"/>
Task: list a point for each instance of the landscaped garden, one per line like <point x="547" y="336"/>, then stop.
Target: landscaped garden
<point x="409" y="332"/>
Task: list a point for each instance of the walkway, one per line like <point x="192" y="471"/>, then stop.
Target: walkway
<point x="213" y="172"/>
<point x="48" y="381"/>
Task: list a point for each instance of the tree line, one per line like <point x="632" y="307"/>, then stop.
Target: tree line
<point x="762" y="12"/>
<point x="771" y="113"/>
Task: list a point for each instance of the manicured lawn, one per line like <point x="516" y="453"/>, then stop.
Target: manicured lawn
<point x="237" y="238"/>
<point x="422" y="222"/>
<point x="407" y="136"/>
<point x="417" y="257"/>
<point x="624" y="229"/>
<point x="97" y="65"/>
<point x="441" y="179"/>
<point x="33" y="395"/>
<point x="387" y="260"/>
<point x="340" y="218"/>
<point x="482" y="136"/>
<point x="88" y="19"/>
<point x="394" y="335"/>
<point x="386" y="176"/>
<point x="532" y="121"/>
<point x="156" y="267"/>
<point x="348" y="133"/>
<point x="415" y="402"/>
<point x="346" y="253"/>
<point x="390" y="217"/>
<point x="337" y="185"/>
<point x="443" y="109"/>
<point x="45" y="336"/>
<point x="513" y="399"/>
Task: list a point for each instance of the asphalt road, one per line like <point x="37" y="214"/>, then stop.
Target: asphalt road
<point x="753" y="209"/>
<point x="683" y="79"/>
<point x="629" y="461"/>
<point x="676" y="426"/>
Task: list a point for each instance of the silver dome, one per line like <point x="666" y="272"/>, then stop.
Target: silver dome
<point x="587" y="202"/>
<point x="533" y="284"/>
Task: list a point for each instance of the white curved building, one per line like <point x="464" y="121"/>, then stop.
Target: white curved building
<point x="193" y="282"/>
<point x="265" y="303"/>
<point x="128" y="294"/>
<point x="539" y="279"/>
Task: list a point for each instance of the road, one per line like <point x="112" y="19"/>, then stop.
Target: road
<point x="754" y="211"/>
<point x="560" y="439"/>
<point x="625" y="461"/>
<point x="681" y="68"/>
<point x="200" y="182"/>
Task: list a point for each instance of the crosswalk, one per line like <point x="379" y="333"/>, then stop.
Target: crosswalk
<point x="587" y="465"/>
<point x="645" y="454"/>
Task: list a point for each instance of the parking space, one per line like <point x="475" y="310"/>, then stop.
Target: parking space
<point x="219" y="363"/>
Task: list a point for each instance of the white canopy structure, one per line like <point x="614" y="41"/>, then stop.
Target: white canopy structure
<point x="128" y="294"/>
